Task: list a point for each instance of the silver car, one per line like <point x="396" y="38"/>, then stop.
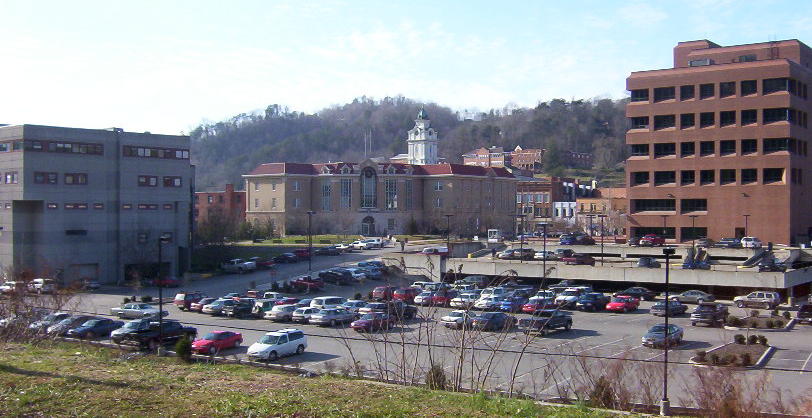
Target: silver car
<point x="302" y="315"/>
<point x="136" y="310"/>
<point x="457" y="319"/>
<point x="332" y="317"/>
<point x="693" y="296"/>
<point x="281" y="313"/>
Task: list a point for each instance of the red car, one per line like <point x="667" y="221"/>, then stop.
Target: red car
<point x="537" y="304"/>
<point x="383" y="292"/>
<point x="302" y="253"/>
<point x="184" y="300"/>
<point x="262" y="263"/>
<point x="623" y="304"/>
<point x="583" y="259"/>
<point x="443" y="298"/>
<point x="372" y="321"/>
<point x="215" y="341"/>
<point x="406" y="294"/>
<point x="287" y="301"/>
<point x="652" y="240"/>
<point x="198" y="306"/>
<point x="307" y="283"/>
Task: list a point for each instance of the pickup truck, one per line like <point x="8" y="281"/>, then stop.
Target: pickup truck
<point x="710" y="313"/>
<point x="545" y="320"/>
<point x="150" y="337"/>
<point x="136" y="310"/>
<point x="805" y="313"/>
<point x="238" y="265"/>
<point x="401" y="310"/>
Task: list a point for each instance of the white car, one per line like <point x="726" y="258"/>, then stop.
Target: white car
<point x="277" y="344"/>
<point x="569" y="297"/>
<point x="489" y="302"/>
<point x="344" y="247"/>
<point x="495" y="291"/>
<point x="419" y="284"/>
<point x="353" y="305"/>
<point x="751" y="242"/>
<point x="549" y="294"/>
<point x="136" y="310"/>
<point x="456" y="319"/>
<point x="357" y="274"/>
<point x="548" y="255"/>
<point x="424" y="298"/>
<point x="361" y="245"/>
<point x="42" y="286"/>
<point x="464" y="300"/>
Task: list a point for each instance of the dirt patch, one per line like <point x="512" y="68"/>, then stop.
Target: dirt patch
<point x="733" y="354"/>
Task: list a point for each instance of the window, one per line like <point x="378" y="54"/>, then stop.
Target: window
<point x="640" y="177"/>
<point x="687" y="120"/>
<point x="41" y="177"/>
<point x="390" y="224"/>
<point x="640" y="95"/>
<point x="776" y="144"/>
<point x="126" y="206"/>
<point x="148" y="152"/>
<point x="168" y="206"/>
<point x="210" y="199"/>
<point x="65" y="147"/>
<point x="687" y="149"/>
<point x="664" y="177"/>
<point x="149" y="181"/>
<point x="256" y="203"/>
<point x="408" y="186"/>
<point x="686" y="92"/>
<point x="256" y="186"/>
<point x="749" y="146"/>
<point x="391" y="193"/>
<point x="297" y="202"/>
<point x="747" y="58"/>
<point x="98" y="206"/>
<point x="369" y="188"/>
<point x="438" y="186"/>
<point x="76" y="206"/>
<point x="727" y="176"/>
<point x="772" y="85"/>
<point x="4" y="146"/>
<point x="749" y="175"/>
<point x="220" y="198"/>
<point x="273" y="203"/>
<point x="687" y="177"/>
<point x="658" y="205"/>
<point x="663" y="93"/>
<point x="727" y="89"/>
<point x="775" y="115"/>
<point x="693" y="205"/>
<point x="639" y="150"/>
<point x="707" y="119"/>
<point x="640" y="122"/>
<point x="665" y="150"/>
<point x="147" y="206"/>
<point x="664" y="121"/>
<point x="173" y="181"/>
<point x="706" y="91"/>
<point x="326" y="195"/>
<point x="727" y="147"/>
<point x="53" y="206"/>
<point x="11" y="177"/>
<point x="727" y="118"/>
<point x="296" y="187"/>
<point x="707" y="177"/>
<point x="707" y="148"/>
<point x="700" y="63"/>
<point x="748" y="87"/>
<point x="773" y="175"/>
<point x="438" y="202"/>
<point x="76" y="178"/>
<point x="749" y="116"/>
<point x="346" y="193"/>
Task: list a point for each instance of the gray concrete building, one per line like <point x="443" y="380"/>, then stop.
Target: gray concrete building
<point x="92" y="203"/>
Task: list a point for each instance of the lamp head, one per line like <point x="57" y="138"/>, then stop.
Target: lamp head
<point x="668" y="251"/>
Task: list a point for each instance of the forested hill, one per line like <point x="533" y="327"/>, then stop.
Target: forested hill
<point x="224" y="150"/>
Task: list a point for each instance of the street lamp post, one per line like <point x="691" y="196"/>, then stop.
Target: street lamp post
<point x="693" y="229"/>
<point x="310" y="214"/>
<point x="665" y="404"/>
<point x="601" y="218"/>
<point x="448" y="232"/>
<point x="163" y="239"/>
<point x="745" y="225"/>
<point x="664" y="228"/>
<point x="544" y="259"/>
<point x="521" y="239"/>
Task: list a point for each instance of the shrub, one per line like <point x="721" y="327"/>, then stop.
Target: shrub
<point x="753" y="324"/>
<point x="786" y="315"/>
<point x="762" y="340"/>
<point x="754" y="313"/>
<point x="275" y="287"/>
<point x="435" y="378"/>
<point x="183" y="348"/>
<point x="126" y="300"/>
<point x="729" y="359"/>
<point x="701" y="356"/>
<point x="369" y="295"/>
<point x="733" y="321"/>
<point x="770" y="324"/>
<point x="738" y="339"/>
<point x="774" y="312"/>
<point x="286" y="287"/>
<point x="779" y="323"/>
<point x="357" y="296"/>
<point x="751" y="339"/>
<point x="714" y="359"/>
<point x="602" y="394"/>
<point x="745" y="359"/>
<point x="146" y="298"/>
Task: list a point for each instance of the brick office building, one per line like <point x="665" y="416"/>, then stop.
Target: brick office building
<point x="228" y="203"/>
<point x="720" y="142"/>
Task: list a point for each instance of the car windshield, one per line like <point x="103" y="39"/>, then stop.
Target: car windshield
<point x="132" y="325"/>
<point x="545" y="314"/>
<point x="456" y="314"/>
<point x="213" y="336"/>
<point x="657" y="329"/>
<point x="270" y="339"/>
<point x="620" y="300"/>
<point x="66" y="321"/>
<point x="51" y="317"/>
<point x="570" y="293"/>
<point x="425" y="294"/>
<point x="180" y="296"/>
<point x="92" y="323"/>
<point x="368" y="317"/>
<point x="300" y="311"/>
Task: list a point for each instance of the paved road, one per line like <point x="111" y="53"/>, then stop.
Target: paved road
<point x="546" y="368"/>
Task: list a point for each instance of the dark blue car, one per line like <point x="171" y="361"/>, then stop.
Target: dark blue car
<point x="513" y="304"/>
<point x="97" y="327"/>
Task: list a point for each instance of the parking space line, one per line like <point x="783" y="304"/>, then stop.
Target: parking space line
<point x="601" y="345"/>
<point x="626" y="351"/>
<point x="803" y="368"/>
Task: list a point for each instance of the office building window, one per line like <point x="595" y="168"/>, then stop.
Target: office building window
<point x="326" y="195"/>
<point x="640" y="177"/>
<point x="273" y="203"/>
<point x="776" y="145"/>
<point x="173" y="181"/>
<point x="639" y="150"/>
<point x="749" y="146"/>
<point x="41" y="177"/>
<point x="693" y="205"/>
<point x="706" y="91"/>
<point x="391" y="193"/>
<point x="256" y="186"/>
<point x="747" y="58"/>
<point x="749" y="175"/>
<point x="727" y="176"/>
<point x="369" y="188"/>
<point x="707" y="148"/>
<point x="687" y="120"/>
<point x="664" y="177"/>
<point x="64" y="147"/>
<point x="664" y="121"/>
<point x="773" y="175"/>
<point x="438" y="202"/>
<point x="148" y="181"/>
<point x="707" y="119"/>
<point x="11" y="177"/>
<point x="438" y="186"/>
<point x="210" y="199"/>
<point x="727" y="89"/>
<point x="749" y="116"/>
<point x="408" y="190"/>
<point x="126" y="206"/>
<point x="76" y="178"/>
<point x="727" y="147"/>
<point x="150" y="152"/>
<point x="76" y="206"/>
<point x="640" y="122"/>
<point x="147" y="206"/>
<point x="98" y="206"/>
<point x="168" y="206"/>
<point x="772" y="85"/>
<point x="687" y="177"/>
<point x="296" y="186"/>
<point x="665" y="150"/>
<point x="297" y="202"/>
<point x="654" y="205"/>
<point x="686" y="92"/>
<point x="256" y="203"/>
<point x="727" y="118"/>
<point x="748" y="87"/>
<point x="707" y="177"/>
<point x="663" y="93"/>
<point x="776" y="115"/>
<point x="640" y="95"/>
<point x="53" y="206"/>
<point x="346" y="193"/>
<point x="687" y="149"/>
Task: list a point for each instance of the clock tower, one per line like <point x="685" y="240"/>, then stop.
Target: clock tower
<point x="423" y="141"/>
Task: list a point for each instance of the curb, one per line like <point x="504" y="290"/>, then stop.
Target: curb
<point x="762" y="361"/>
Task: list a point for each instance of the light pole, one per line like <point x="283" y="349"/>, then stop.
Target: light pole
<point x="665" y="404"/>
<point x="310" y="214"/>
<point x="163" y="239"/>
<point x="663" y="216"/>
<point x="544" y="259"/>
<point x="745" y="225"/>
<point x="521" y="239"/>
<point x="448" y="232"/>
<point x="693" y="229"/>
<point x="601" y="218"/>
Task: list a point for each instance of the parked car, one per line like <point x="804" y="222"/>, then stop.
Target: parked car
<point x="344" y="247"/>
<point x="238" y="265"/>
<point x="489" y="303"/>
<point x="758" y="299"/>
<point x="592" y="302"/>
<point x="94" y="328"/>
<point x="569" y="298"/>
<point x="373" y="321"/>
<point x="372" y="272"/>
<point x="327" y="302"/>
<point x="406" y="294"/>
<point x="332" y="317"/>
<point x="563" y="252"/>
<point x="302" y="315"/>
<point x="424" y="298"/>
<point x="477" y="280"/>
<point x="277" y="344"/>
<point x="728" y="243"/>
<point x="575" y="239"/>
<point x="243" y="308"/>
<point x="338" y="276"/>
<point x="131" y="326"/>
<point x="47" y="321"/>
<point x="303" y="303"/>
<point x="537" y="303"/>
<point x="262" y="263"/>
<point x="153" y="336"/>
<point x="623" y="304"/>
<point x="329" y="250"/>
<point x="443" y="298"/>
<point x="464" y="300"/>
<point x="442" y="251"/>
<point x="302" y="253"/>
<point x="545" y="320"/>
<point x="655" y="337"/>
<point x="804" y="313"/>
<point x="505" y="255"/>
<point x="674" y="307"/>
<point x="216" y="341"/>
<point x="693" y="296"/>
<point x="495" y="291"/>
<point x="457" y="319"/>
<point x="545" y="255"/>
<point x="40" y="286"/>
<point x="751" y="242"/>
<point x="648" y="262"/>
<point x="637" y="292"/>
<point x="362" y="245"/>
<point x="136" y="310"/>
<point x="709" y="313"/>
<point x="579" y="259"/>
<point x="435" y="286"/>
<point x="307" y="284"/>
<point x="383" y="292"/>
<point x="493" y="321"/>
<point x="705" y="243"/>
<point x="513" y="304"/>
<point x="184" y="300"/>
<point x="372" y="263"/>
<point x="353" y="305"/>
<point x="287" y="301"/>
<point x="651" y="240"/>
<point x="285" y="258"/>
<point x="216" y="308"/>
<point x="281" y="313"/>
<point x="61" y="328"/>
<point x="13" y="287"/>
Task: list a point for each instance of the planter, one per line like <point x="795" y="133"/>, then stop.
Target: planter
<point x="762" y="360"/>
<point x="788" y="326"/>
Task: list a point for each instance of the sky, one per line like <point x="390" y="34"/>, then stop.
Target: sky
<point x="168" y="66"/>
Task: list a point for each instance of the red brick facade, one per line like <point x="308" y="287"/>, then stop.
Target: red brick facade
<point x="231" y="203"/>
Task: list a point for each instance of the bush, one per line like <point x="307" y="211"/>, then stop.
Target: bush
<point x="286" y="287"/>
<point x="751" y="339"/>
<point x="126" y="300"/>
<point x="733" y="321"/>
<point x="729" y="359"/>
<point x="745" y="359"/>
<point x="183" y="348"/>
<point x="275" y="287"/>
<point x="701" y="356"/>
<point x="146" y="298"/>
<point x="774" y="312"/>
<point x="602" y="395"/>
<point x="357" y="296"/>
<point x="714" y="359"/>
<point x="779" y="323"/>
<point x="786" y="315"/>
<point x="753" y="324"/>
<point x="435" y="378"/>
<point x="770" y="324"/>
<point x="762" y="340"/>
<point x="754" y="313"/>
<point x="738" y="339"/>
<point x="369" y="295"/>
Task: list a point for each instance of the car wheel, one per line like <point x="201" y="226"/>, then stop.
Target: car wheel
<point x="300" y="349"/>
<point x="237" y="343"/>
<point x="332" y="322"/>
<point x="90" y="335"/>
<point x="273" y="356"/>
<point x="212" y="350"/>
<point x="153" y="345"/>
<point x="567" y="326"/>
<point x="693" y="324"/>
<point x="739" y="304"/>
<point x="766" y="305"/>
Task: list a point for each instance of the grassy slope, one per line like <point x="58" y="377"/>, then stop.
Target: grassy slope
<point x="59" y="379"/>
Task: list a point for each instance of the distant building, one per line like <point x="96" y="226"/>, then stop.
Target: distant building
<point x="582" y="160"/>
<point x="527" y="160"/>
<point x="549" y="200"/>
<point x="487" y="157"/>
<point x="92" y="203"/>
<point x="229" y="204"/>
<point x="607" y="203"/>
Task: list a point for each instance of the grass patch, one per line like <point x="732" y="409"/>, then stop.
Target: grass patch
<point x="58" y="379"/>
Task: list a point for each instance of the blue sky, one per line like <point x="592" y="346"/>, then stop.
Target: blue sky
<point x="166" y="66"/>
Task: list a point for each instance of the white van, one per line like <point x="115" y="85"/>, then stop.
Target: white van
<point x="277" y="344"/>
<point x="327" y="302"/>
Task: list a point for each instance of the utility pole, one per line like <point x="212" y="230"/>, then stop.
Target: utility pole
<point x="163" y="239"/>
<point x="601" y="218"/>
<point x="665" y="404"/>
<point x="310" y="214"/>
<point x="693" y="229"/>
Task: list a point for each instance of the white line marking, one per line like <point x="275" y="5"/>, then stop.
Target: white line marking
<point x="805" y="363"/>
<point x="601" y="345"/>
<point x="626" y="350"/>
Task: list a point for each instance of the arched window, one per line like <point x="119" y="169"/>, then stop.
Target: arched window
<point x="369" y="188"/>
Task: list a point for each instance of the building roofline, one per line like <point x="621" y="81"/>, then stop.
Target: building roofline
<point x="759" y="63"/>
